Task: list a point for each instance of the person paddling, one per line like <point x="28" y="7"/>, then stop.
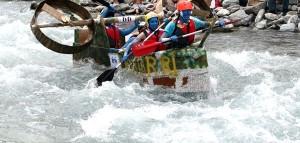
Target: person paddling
<point x="184" y="24"/>
<point x="152" y="24"/>
<point x="115" y="33"/>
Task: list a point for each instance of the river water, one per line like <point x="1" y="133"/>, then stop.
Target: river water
<point x="45" y="99"/>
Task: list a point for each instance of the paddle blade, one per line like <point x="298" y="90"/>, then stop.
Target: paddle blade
<point x="107" y="75"/>
<point x="145" y="48"/>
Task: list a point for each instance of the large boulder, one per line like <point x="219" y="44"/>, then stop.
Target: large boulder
<point x="227" y="3"/>
<point x="271" y="16"/>
<point x="233" y="8"/>
<point x="294" y="8"/>
<point x="240" y="14"/>
<point x="291" y="2"/>
<point x="290" y="27"/>
<point x="261" y="25"/>
<point x="286" y="18"/>
<point x="260" y="15"/>
<point x="293" y="19"/>
<point x="248" y="20"/>
<point x="223" y="12"/>
<point x="292" y="13"/>
<point x="244" y="21"/>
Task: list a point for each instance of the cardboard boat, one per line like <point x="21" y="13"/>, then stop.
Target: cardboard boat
<point x="181" y="70"/>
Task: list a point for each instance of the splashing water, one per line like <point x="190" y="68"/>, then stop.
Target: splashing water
<point x="44" y="98"/>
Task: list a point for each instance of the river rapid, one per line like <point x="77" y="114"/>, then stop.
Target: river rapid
<point x="44" y="98"/>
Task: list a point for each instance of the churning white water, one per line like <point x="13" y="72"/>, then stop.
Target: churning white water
<point x="45" y="99"/>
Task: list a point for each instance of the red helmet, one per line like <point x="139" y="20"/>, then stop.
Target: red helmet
<point x="184" y="5"/>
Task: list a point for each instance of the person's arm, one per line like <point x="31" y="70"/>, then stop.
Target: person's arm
<point x="137" y="39"/>
<point x="130" y="29"/>
<point x="168" y="31"/>
<point x="199" y="24"/>
<point x="128" y="47"/>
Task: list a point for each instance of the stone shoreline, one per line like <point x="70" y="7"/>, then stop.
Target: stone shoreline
<point x="254" y="15"/>
<point x="257" y="17"/>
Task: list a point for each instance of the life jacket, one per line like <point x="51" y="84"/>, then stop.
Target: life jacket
<point x="155" y="38"/>
<point x="182" y="29"/>
<point x="114" y="36"/>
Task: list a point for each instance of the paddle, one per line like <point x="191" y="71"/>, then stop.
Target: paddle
<point x="207" y="32"/>
<point x="108" y="75"/>
<point x="148" y="47"/>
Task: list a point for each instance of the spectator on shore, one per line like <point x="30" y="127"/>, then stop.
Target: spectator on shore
<point x="272" y="6"/>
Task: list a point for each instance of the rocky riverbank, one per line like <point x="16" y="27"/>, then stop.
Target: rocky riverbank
<point x="257" y="17"/>
<point x="253" y="15"/>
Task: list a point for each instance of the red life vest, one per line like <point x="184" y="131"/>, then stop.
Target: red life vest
<point x="155" y="38"/>
<point x="114" y="36"/>
<point x="182" y="29"/>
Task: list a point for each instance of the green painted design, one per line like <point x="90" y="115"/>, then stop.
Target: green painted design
<point x="169" y="61"/>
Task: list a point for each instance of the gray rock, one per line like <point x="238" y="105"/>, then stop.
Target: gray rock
<point x="259" y="15"/>
<point x="271" y="16"/>
<point x="262" y="24"/>
<point x="290" y="27"/>
<point x="286" y="18"/>
<point x="223" y="12"/>
<point x="254" y="9"/>
<point x="290" y="7"/>
<point x="292" y="13"/>
<point x="293" y="19"/>
<point x="294" y="8"/>
<point x="227" y="3"/>
<point x="298" y="26"/>
<point x="247" y="21"/>
<point x="293" y="2"/>
<point x="244" y="21"/>
<point x="240" y="14"/>
<point x="233" y="8"/>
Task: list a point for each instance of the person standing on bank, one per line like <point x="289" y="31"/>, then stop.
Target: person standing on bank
<point x="272" y="6"/>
